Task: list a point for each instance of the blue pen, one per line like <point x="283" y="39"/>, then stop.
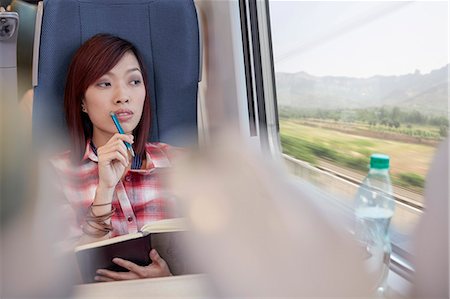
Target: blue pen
<point x="119" y="128"/>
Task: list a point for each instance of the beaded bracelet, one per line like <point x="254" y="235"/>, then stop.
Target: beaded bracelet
<point x="100" y="204"/>
<point x="101" y="228"/>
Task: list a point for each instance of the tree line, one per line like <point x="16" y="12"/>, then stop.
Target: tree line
<point x="392" y="117"/>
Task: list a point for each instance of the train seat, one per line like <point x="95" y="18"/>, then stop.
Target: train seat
<point x="165" y="32"/>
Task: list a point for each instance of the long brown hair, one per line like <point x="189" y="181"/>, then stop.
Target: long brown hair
<point x="97" y="56"/>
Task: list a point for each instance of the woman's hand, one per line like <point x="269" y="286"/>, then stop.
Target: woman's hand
<point x="158" y="268"/>
<point x="113" y="159"/>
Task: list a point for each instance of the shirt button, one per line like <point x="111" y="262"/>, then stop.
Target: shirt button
<point x="128" y="178"/>
<point x="130" y="219"/>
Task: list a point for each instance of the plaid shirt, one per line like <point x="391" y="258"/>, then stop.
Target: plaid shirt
<point x="140" y="197"/>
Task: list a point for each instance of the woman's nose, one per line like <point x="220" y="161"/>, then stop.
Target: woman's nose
<point x="121" y="95"/>
<point x="122" y="99"/>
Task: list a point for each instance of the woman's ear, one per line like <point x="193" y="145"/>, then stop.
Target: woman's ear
<point x="83" y="106"/>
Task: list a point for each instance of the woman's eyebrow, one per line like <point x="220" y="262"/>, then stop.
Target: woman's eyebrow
<point x="133" y="69"/>
<point x="127" y="71"/>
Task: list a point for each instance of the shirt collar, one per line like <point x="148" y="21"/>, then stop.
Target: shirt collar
<point x="89" y="153"/>
<point x="151" y="162"/>
<point x="156" y="157"/>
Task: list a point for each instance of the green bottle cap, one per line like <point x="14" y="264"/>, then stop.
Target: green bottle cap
<point x="379" y="161"/>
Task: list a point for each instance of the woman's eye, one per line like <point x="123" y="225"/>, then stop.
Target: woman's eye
<point x="103" y="84"/>
<point x="135" y="82"/>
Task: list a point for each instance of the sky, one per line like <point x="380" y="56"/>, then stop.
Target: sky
<point x="359" y="38"/>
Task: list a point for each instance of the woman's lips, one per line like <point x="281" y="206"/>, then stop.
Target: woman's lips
<point x="124" y="115"/>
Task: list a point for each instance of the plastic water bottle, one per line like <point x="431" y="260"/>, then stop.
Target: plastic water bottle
<point x="374" y="208"/>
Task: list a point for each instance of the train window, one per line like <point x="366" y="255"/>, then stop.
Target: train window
<point x="355" y="78"/>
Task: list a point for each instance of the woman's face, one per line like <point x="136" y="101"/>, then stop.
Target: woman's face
<point x="121" y="90"/>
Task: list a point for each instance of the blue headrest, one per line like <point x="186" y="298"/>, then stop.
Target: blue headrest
<point x="165" y="32"/>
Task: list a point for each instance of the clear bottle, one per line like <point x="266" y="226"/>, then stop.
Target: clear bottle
<point x="374" y="208"/>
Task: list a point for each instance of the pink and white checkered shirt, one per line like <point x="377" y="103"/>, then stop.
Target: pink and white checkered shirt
<point x="140" y="197"/>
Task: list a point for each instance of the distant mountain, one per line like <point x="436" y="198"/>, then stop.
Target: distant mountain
<point x="425" y="92"/>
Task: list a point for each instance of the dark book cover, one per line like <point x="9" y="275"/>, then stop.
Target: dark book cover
<point x="168" y="244"/>
<point x="133" y="250"/>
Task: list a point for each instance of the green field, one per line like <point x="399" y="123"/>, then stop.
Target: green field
<point x="409" y="162"/>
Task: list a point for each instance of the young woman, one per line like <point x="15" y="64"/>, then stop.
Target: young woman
<point x="111" y="192"/>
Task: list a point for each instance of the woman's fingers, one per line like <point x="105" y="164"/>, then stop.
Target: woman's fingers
<point x="116" y="146"/>
<point x="108" y="275"/>
<point x="113" y="159"/>
<point x="140" y="271"/>
<point x="102" y="278"/>
<point x="154" y="256"/>
<point x="158" y="261"/>
<point x="123" y="137"/>
<point x="114" y="156"/>
<point x="158" y="268"/>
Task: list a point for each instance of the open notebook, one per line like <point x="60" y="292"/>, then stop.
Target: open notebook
<point x="166" y="236"/>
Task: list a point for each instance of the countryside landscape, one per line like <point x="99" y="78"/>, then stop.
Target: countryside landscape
<point x="344" y="120"/>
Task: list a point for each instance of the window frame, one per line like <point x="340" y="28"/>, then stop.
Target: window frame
<point x="261" y="88"/>
<point x="259" y="69"/>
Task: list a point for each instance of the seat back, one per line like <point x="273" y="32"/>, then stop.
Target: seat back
<point x="166" y="34"/>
